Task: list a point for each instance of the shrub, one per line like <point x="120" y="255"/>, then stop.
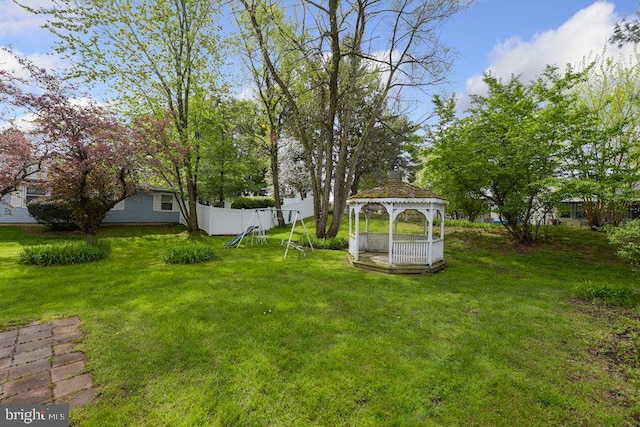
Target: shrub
<point x="627" y="239"/>
<point x="464" y="223"/>
<point x="333" y="243"/>
<point x="64" y="253"/>
<point x="188" y="253"/>
<point x="606" y="293"/>
<point x="253" y="203"/>
<point x="53" y="213"/>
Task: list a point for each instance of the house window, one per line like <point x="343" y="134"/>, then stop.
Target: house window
<point x="118" y="206"/>
<point x="164" y="202"/>
<point x="33" y="193"/>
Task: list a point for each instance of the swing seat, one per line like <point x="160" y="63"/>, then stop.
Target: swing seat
<point x="297" y="247"/>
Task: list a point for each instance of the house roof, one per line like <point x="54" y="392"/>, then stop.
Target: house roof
<point x="394" y="189"/>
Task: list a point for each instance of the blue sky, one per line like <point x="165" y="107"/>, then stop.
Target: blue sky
<point x="522" y="36"/>
<point x="505" y="36"/>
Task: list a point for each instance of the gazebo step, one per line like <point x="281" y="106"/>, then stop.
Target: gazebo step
<point x="376" y="263"/>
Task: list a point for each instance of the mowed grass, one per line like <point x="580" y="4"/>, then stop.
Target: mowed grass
<point x="253" y="339"/>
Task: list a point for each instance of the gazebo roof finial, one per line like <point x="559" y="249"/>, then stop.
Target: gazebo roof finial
<point x="394" y="176"/>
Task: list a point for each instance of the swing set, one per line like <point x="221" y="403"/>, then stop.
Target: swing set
<point x="256" y="230"/>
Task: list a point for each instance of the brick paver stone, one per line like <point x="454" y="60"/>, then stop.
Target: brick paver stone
<point x="5" y="352"/>
<point x="13" y="333"/>
<point x="33" y="336"/>
<point x="36" y="396"/>
<point x="26" y="383"/>
<point x="72" y="385"/>
<point x="63" y="348"/>
<point x="35" y="329"/>
<point x="81" y="398"/>
<point x="29" y="368"/>
<point x="8" y="341"/>
<point x="67" y="371"/>
<point x="33" y="345"/>
<point x="66" y="321"/>
<point x="31" y="356"/>
<point x="63" y="359"/>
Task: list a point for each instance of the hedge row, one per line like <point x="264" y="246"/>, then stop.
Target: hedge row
<point x="253" y="203"/>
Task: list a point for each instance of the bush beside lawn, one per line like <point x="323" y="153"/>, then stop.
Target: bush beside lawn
<point x="64" y="253"/>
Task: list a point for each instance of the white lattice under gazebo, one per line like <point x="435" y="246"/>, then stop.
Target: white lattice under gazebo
<point x="391" y="251"/>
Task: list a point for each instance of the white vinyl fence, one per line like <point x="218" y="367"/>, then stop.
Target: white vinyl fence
<point x="223" y="221"/>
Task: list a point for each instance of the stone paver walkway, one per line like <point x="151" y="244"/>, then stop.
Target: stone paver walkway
<point x="39" y="364"/>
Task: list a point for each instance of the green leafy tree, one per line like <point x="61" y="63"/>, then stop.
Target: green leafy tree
<point x="156" y="56"/>
<point x="337" y="44"/>
<point x="271" y="137"/>
<point x="505" y="151"/>
<point x="394" y="145"/>
<point x="602" y="157"/>
<point x="233" y="163"/>
<point x="627" y="239"/>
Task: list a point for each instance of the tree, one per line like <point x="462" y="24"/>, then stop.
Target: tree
<point x="336" y="49"/>
<point x="270" y="97"/>
<point x="295" y="176"/>
<point x="97" y="163"/>
<point x="393" y="146"/>
<point x="602" y="158"/>
<point x="21" y="154"/>
<point x="462" y="199"/>
<point x="506" y="150"/>
<point x="627" y="30"/>
<point x="16" y="160"/>
<point x="93" y="160"/>
<point x="158" y="56"/>
<point x="232" y="162"/>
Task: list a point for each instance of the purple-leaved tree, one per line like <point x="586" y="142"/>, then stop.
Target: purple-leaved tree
<point x="93" y="160"/>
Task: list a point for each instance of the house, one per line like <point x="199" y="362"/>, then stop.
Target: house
<point x="155" y="206"/>
<point x="572" y="211"/>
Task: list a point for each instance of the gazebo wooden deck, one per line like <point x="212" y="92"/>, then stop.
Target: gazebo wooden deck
<point x="394" y="252"/>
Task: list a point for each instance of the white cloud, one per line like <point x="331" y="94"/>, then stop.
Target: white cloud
<point x="9" y="63"/>
<point x="21" y="31"/>
<point x="15" y="21"/>
<point x="248" y="93"/>
<point x="584" y="35"/>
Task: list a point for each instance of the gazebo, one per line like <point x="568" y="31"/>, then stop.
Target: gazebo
<point x="394" y="252"/>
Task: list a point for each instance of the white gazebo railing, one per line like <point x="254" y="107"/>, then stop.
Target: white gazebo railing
<point x="407" y="248"/>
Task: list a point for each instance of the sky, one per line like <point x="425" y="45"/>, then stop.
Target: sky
<point x="504" y="36"/>
<point x="521" y="37"/>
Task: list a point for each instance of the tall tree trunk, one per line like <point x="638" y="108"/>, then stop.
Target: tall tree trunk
<point x="275" y="177"/>
<point x="192" y="219"/>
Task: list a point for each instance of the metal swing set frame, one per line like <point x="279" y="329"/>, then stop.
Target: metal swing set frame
<point x="257" y="232"/>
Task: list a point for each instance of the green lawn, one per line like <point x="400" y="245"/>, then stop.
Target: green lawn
<point x="252" y="339"/>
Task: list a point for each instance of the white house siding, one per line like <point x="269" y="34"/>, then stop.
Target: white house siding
<point x="13" y="215"/>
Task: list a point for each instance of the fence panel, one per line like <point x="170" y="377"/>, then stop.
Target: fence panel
<point x="224" y="221"/>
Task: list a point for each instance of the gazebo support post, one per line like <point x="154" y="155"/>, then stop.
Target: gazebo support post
<point x="357" y="238"/>
<point x="391" y="221"/>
